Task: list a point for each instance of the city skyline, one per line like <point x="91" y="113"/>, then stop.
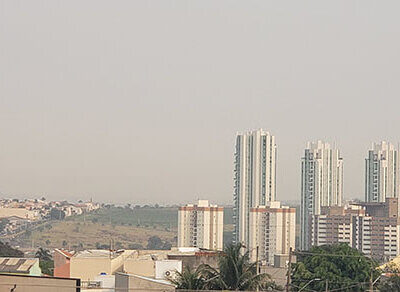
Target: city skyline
<point x="141" y="103"/>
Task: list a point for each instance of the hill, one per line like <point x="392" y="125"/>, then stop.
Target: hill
<point x="78" y="235"/>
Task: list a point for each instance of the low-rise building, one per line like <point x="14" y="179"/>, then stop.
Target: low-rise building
<point x="201" y="226"/>
<point x="88" y="265"/>
<point x="272" y="231"/>
<point x="130" y="282"/>
<point x="194" y="257"/>
<point x="62" y="259"/>
<point x="20" y="266"/>
<point x="24" y="283"/>
<point x="19" y="212"/>
<point x="334" y="225"/>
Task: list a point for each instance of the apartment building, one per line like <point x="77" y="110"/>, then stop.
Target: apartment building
<point x="272" y="231"/>
<point x="335" y="225"/>
<point x="201" y="226"/>
<point x="321" y="185"/>
<point x="372" y="228"/>
<point x="382" y="173"/>
<point x="254" y="177"/>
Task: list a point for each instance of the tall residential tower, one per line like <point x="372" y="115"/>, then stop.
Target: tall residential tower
<point x="254" y="177"/>
<point x="321" y="185"/>
<point x="381" y="173"/>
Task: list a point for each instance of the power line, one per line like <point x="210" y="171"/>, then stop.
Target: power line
<point x="328" y="255"/>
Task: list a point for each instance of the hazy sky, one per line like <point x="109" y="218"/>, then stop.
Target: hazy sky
<point x="140" y="101"/>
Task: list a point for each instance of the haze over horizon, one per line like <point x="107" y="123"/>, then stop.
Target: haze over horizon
<point x="140" y="101"/>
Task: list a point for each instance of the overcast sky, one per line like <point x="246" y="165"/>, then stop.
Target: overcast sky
<point x="140" y="101"/>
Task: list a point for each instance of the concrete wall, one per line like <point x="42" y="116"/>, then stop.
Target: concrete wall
<point x="87" y="269"/>
<point x="35" y="270"/>
<point x="193" y="261"/>
<point x="37" y="284"/>
<point x="167" y="268"/>
<point x="127" y="282"/>
<point x="61" y="265"/>
<point x="140" y="267"/>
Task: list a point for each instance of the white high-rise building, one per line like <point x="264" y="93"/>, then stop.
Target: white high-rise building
<point x="272" y="231"/>
<point x="321" y="185"/>
<point x="254" y="177"/>
<point x="382" y="173"/>
<point x="201" y="226"/>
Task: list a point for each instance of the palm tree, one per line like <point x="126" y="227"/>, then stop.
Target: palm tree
<point x="236" y="272"/>
<point x="189" y="279"/>
<point x="43" y="254"/>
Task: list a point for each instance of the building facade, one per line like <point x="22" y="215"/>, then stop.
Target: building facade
<point x="381" y="173"/>
<point x="272" y="231"/>
<point x="372" y="228"/>
<point x="201" y="226"/>
<point x="321" y="185"/>
<point x="254" y="177"/>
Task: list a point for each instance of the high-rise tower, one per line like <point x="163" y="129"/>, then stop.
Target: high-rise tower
<point x="201" y="225"/>
<point x="381" y="173"/>
<point x="321" y="184"/>
<point x="254" y="177"/>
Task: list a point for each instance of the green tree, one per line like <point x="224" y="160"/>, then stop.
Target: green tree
<point x="155" y="243"/>
<point x="236" y="272"/>
<point x="47" y="267"/>
<point x="56" y="214"/>
<point x="135" y="246"/>
<point x="46" y="263"/>
<point x="43" y="254"/>
<point x="339" y="265"/>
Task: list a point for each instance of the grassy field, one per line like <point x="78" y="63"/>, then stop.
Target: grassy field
<point x="166" y="217"/>
<point x="78" y="235"/>
<point x="139" y="217"/>
<point x="128" y="227"/>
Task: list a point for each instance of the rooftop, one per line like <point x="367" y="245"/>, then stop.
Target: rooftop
<point x="95" y="253"/>
<point x="17" y="265"/>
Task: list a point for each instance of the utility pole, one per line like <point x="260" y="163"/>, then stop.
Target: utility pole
<point x="326" y="286"/>
<point x="371" y="284"/>
<point x="289" y="271"/>
<point x="257" y="264"/>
